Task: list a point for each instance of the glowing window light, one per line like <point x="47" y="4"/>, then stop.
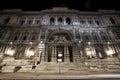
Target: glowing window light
<point x="30" y="52"/>
<point x="109" y="51"/>
<point x="89" y="52"/>
<point x="10" y="52"/>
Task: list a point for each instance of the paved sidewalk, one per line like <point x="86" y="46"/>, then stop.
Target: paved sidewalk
<point x="58" y="76"/>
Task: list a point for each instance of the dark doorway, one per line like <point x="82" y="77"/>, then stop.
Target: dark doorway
<point x="70" y="53"/>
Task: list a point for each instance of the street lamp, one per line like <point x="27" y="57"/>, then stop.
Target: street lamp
<point x="59" y="61"/>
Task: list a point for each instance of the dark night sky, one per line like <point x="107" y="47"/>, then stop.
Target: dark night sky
<point x="37" y="5"/>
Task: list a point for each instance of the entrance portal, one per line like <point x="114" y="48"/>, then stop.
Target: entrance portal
<point x="59" y="44"/>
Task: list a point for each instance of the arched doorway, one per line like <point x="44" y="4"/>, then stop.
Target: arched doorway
<point x="59" y="45"/>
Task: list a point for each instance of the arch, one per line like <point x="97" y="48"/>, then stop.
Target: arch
<point x="30" y="52"/>
<point x="59" y="31"/>
<point x="95" y="36"/>
<point x="56" y="41"/>
<point x="7" y="20"/>
<point x="52" y="20"/>
<point x="104" y="36"/>
<point x="86" y="36"/>
<point x="112" y="20"/>
<point x="33" y="36"/>
<point x="68" y="20"/>
<point x="60" y="19"/>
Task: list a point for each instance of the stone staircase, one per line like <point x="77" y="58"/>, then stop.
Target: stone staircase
<point x="76" y="55"/>
<point x="64" y="67"/>
<point x="109" y="64"/>
<point x="11" y="65"/>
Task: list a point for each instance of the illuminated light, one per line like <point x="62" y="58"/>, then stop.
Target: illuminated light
<point x="108" y="42"/>
<point x="41" y="42"/>
<point x="89" y="52"/>
<point x="109" y="51"/>
<point x="59" y="60"/>
<point x="10" y="52"/>
<point x="30" y="52"/>
<point x="89" y="43"/>
<point x="100" y="55"/>
<point x="11" y="42"/>
<point x="59" y="55"/>
<point x="79" y="41"/>
<point x="31" y="43"/>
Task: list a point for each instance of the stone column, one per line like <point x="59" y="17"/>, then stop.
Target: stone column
<point x="25" y="21"/>
<point x="55" y="52"/>
<point x="34" y="20"/>
<point x="52" y="55"/>
<point x="67" y="54"/>
<point x="64" y="21"/>
<point x="56" y="22"/>
<point x="65" y="58"/>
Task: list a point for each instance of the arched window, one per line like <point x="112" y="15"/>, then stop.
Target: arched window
<point x="104" y="36"/>
<point x="15" y="38"/>
<point x="68" y="20"/>
<point x="95" y="37"/>
<point x="86" y="37"/>
<point x="112" y="20"/>
<point x="52" y="21"/>
<point x="97" y="22"/>
<point x="60" y="20"/>
<point x="30" y="52"/>
<point x="7" y="20"/>
<point x="24" y="38"/>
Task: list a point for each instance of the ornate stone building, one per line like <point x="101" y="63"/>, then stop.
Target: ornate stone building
<point x="30" y="41"/>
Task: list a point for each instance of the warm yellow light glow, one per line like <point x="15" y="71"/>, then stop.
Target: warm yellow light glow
<point x="30" y="52"/>
<point x="89" y="52"/>
<point x="89" y="43"/>
<point x="59" y="55"/>
<point x="10" y="52"/>
<point x="59" y="60"/>
<point x="109" y="51"/>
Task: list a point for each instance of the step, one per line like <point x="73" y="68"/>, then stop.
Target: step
<point x="8" y="69"/>
<point x="26" y="68"/>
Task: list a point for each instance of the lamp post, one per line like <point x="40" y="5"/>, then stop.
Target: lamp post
<point x="59" y="61"/>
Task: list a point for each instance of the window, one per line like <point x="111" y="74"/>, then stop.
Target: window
<point x="97" y="22"/>
<point x="29" y="22"/>
<point x="60" y="19"/>
<point x="104" y="36"/>
<point x="15" y="38"/>
<point x="90" y="22"/>
<point x="82" y="22"/>
<point x="24" y="38"/>
<point x="7" y="20"/>
<point x="37" y="21"/>
<point x="21" y="22"/>
<point x="68" y="21"/>
<point x="112" y="20"/>
<point x="52" y="21"/>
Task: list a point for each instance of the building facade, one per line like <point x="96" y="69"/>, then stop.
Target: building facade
<point x="59" y="35"/>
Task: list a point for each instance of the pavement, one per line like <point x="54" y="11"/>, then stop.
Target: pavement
<point x="61" y="76"/>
